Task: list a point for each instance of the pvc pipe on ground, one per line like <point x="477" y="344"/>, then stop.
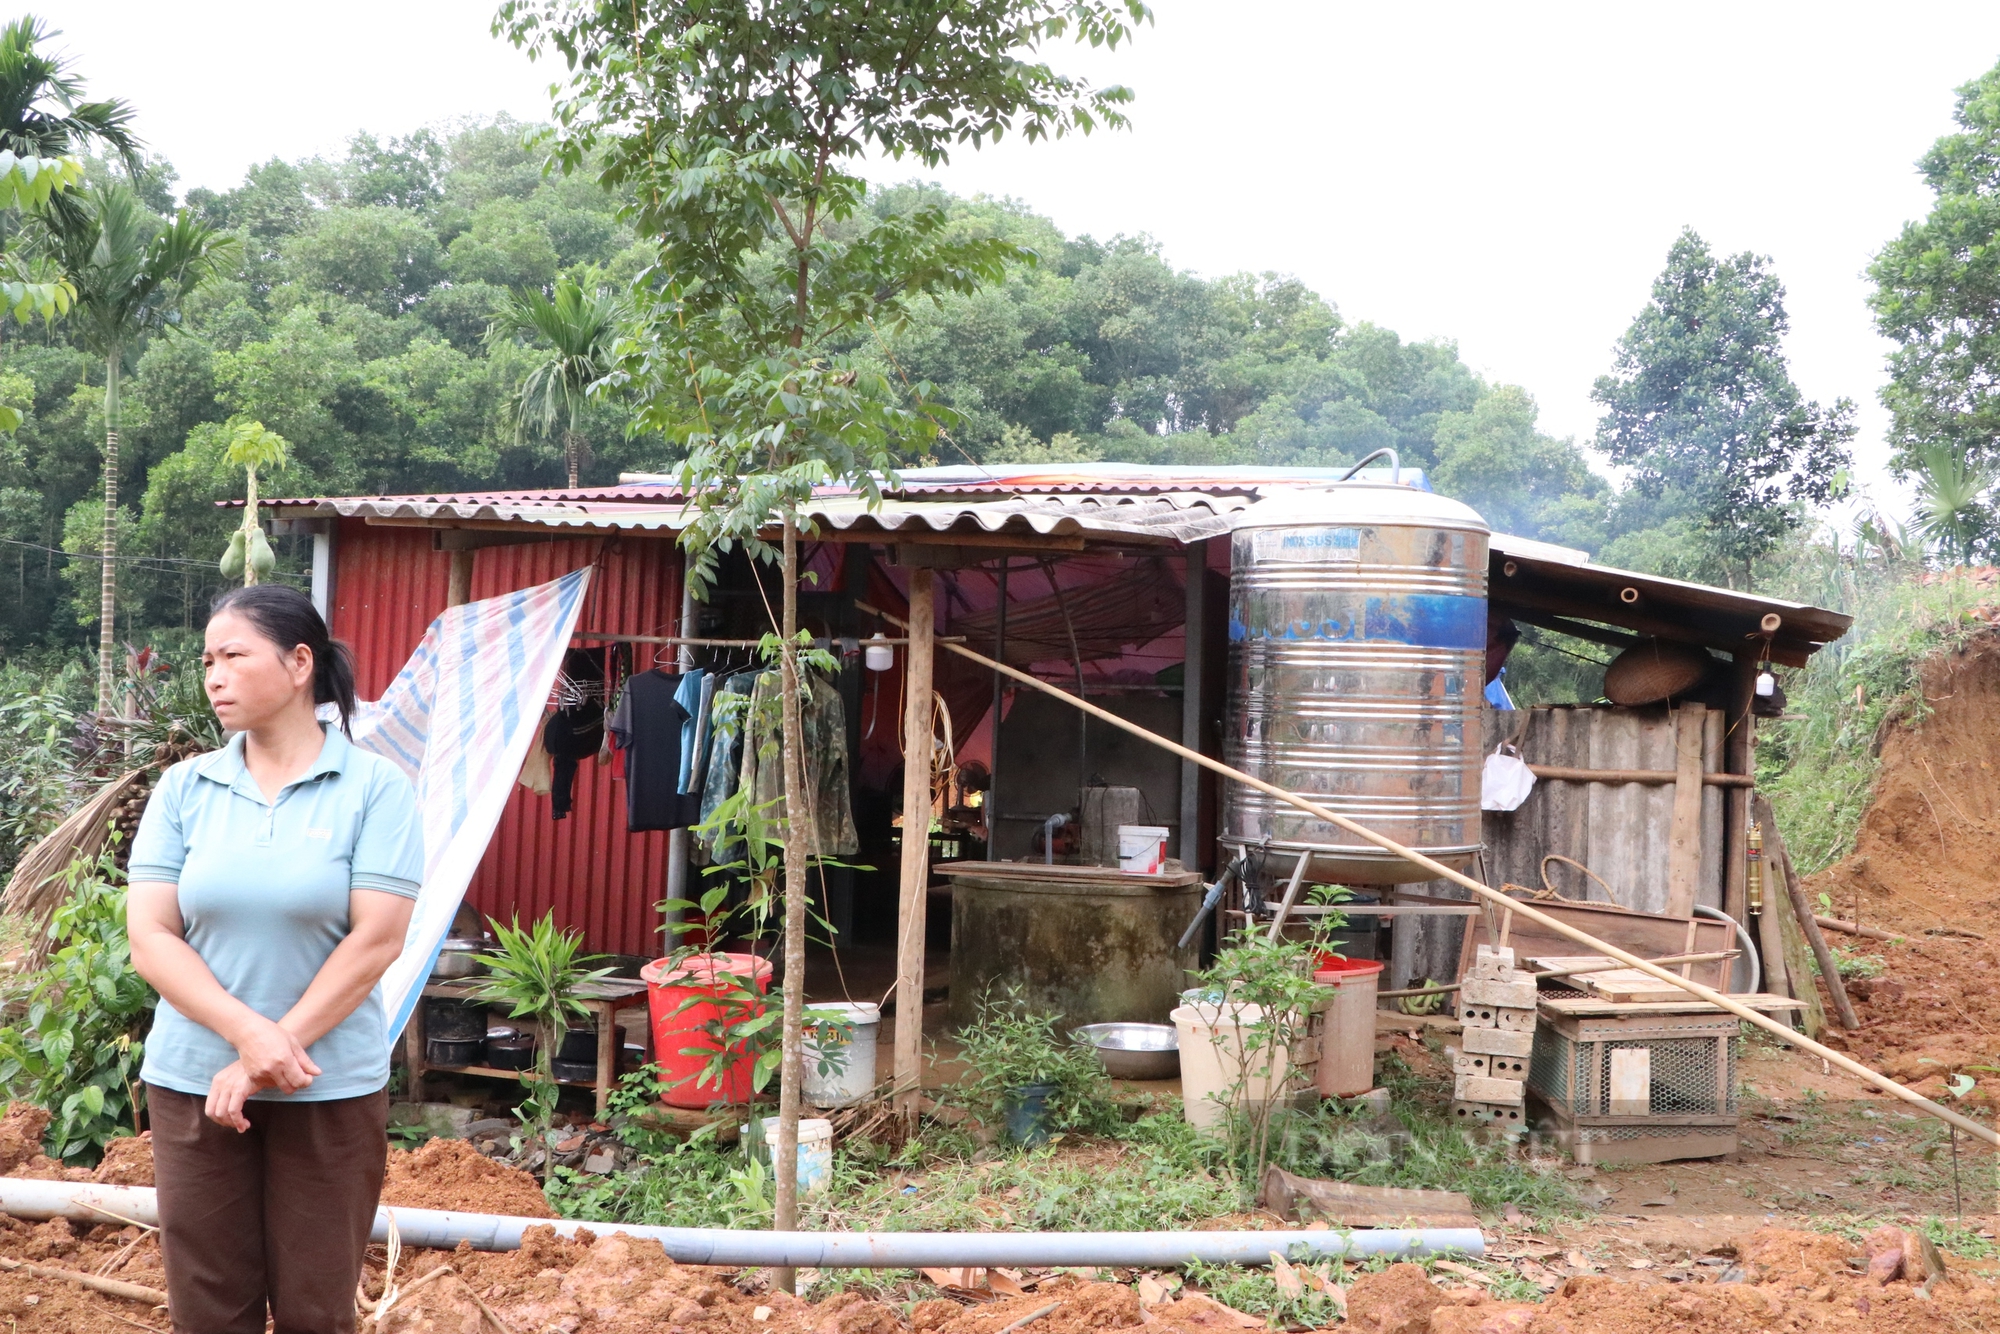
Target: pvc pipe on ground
<point x="438" y="1229"/>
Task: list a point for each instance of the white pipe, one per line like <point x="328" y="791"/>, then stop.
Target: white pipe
<point x="822" y="1250"/>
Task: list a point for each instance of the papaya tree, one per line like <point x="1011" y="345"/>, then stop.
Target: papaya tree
<point x="251" y="446"/>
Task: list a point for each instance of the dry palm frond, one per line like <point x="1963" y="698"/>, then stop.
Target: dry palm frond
<point x="41" y="879"/>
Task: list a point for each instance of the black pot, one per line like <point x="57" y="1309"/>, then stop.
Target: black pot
<point x="453" y="1051"/>
<point x="513" y="1052"/>
<point x="579" y="1044"/>
<point x="581" y="1072"/>
<point x="447" y="1020"/>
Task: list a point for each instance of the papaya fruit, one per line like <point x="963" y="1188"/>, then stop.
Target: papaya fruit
<point x="231" y="563"/>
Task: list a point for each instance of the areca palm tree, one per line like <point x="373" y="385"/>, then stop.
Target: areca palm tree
<point x="574" y="329"/>
<point x="131" y="270"/>
<point x="42" y="111"/>
<point x="44" y="120"/>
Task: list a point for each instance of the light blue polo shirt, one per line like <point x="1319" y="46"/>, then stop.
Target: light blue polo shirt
<point x="263" y="898"/>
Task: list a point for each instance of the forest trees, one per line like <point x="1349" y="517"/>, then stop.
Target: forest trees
<point x="1937" y="297"/>
<point x="1701" y="407"/>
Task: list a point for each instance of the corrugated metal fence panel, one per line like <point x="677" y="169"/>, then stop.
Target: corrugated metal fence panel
<point x="595" y="875"/>
<point x="388" y="586"/>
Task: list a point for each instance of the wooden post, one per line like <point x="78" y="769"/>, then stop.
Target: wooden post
<point x="1193" y="686"/>
<point x="1738" y="757"/>
<point x="916" y="848"/>
<point x="1787" y="878"/>
<point x="459" y="591"/>
<point x="1684" y="839"/>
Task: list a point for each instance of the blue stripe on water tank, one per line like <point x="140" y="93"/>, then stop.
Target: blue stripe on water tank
<point x="1428" y="620"/>
<point x="1422" y="620"/>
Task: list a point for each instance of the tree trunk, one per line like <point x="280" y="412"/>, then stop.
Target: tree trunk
<point x="107" y="586"/>
<point x="573" y="454"/>
<point x="791" y="1071"/>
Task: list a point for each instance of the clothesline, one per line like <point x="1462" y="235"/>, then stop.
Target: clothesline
<point x="740" y="643"/>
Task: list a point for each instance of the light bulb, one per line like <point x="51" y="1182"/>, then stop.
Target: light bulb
<point x="878" y="657"/>
<point x="1767" y="684"/>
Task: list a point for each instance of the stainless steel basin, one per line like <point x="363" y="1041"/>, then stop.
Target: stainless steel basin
<point x="1134" y="1051"/>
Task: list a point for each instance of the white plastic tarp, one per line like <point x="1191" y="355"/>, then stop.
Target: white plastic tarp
<point x="458" y="719"/>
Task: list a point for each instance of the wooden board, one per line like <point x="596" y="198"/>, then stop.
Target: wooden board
<point x="1648" y="935"/>
<point x="1081" y="874"/>
<point x="1585" y="1007"/>
<point x="1348" y="1205"/>
<point x="1627" y="986"/>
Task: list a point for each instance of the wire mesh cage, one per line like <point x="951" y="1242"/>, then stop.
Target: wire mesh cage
<point x="1642" y="1088"/>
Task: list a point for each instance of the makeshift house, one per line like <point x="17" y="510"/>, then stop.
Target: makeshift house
<point x="1148" y="591"/>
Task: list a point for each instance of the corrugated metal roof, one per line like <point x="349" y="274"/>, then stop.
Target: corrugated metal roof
<point x="1175" y="517"/>
<point x="1121" y="505"/>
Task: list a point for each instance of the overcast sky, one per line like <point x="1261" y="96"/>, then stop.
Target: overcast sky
<point x="1505" y="175"/>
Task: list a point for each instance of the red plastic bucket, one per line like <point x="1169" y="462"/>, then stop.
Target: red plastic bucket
<point x="681" y="1047"/>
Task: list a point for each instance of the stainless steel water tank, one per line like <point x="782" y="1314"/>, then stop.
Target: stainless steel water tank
<point x="1357" y="639"/>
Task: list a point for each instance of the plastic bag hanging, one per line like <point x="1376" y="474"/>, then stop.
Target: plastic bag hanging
<point x="1505" y="781"/>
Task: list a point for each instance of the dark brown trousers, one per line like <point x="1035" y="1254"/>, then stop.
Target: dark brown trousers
<point x="276" y="1217"/>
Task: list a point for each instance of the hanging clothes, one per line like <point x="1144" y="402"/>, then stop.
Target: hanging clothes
<point x="537" y="774"/>
<point x="648" y="726"/>
<point x="830" y="828"/>
<point x="727" y="718"/>
<point x="575" y="730"/>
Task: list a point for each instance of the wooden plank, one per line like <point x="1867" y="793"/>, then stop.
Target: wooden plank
<point x="1591" y="1007"/>
<point x="1345" y="1204"/>
<point x="1628" y="985"/>
<point x="1648" y="935"/>
<point x="1684" y="839"/>
<point x="917" y="725"/>
<point x="1657" y="777"/>
<point x="1083" y="875"/>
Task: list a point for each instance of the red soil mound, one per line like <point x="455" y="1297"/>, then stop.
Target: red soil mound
<point x="1928" y="857"/>
<point x="451" y="1174"/>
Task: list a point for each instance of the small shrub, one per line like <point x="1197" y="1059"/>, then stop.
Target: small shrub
<point x="77" y="1045"/>
<point x="1009" y="1046"/>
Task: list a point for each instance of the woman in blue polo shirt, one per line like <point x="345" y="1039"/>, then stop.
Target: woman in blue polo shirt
<point x="271" y="886"/>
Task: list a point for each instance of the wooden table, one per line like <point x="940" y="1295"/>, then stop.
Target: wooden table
<point x="603" y="998"/>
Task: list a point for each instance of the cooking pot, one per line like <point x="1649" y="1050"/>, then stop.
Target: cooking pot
<point x="459" y="957"/>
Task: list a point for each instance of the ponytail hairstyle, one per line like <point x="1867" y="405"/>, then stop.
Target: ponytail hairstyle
<point x="288" y="619"/>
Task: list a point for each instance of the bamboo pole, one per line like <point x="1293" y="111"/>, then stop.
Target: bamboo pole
<point x="915" y="883"/>
<point x="1855" y="929"/>
<point x="1440" y="871"/>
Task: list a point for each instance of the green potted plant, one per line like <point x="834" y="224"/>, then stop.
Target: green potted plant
<point x="536" y="972"/>
<point x="1027" y="1075"/>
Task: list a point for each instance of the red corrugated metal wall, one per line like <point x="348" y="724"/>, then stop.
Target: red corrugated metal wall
<point x="389" y="584"/>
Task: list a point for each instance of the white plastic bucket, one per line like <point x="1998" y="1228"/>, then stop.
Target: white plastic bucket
<point x="1213" y="1073"/>
<point x="850" y="1053"/>
<point x="815" y="1151"/>
<point x="1142" y="848"/>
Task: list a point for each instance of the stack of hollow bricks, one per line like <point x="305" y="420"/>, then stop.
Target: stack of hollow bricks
<point x="1496" y="1008"/>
